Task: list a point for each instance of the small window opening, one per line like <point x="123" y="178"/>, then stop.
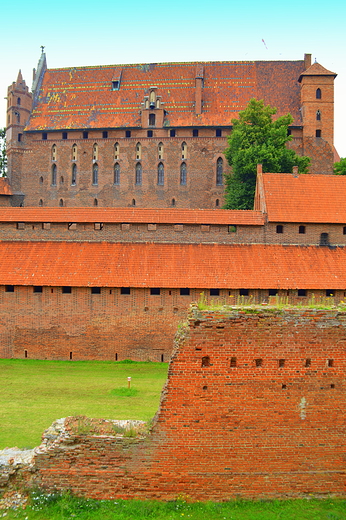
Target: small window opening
<point x="151" y="119"/>
<point x="149" y="133"/>
<point x="301" y="292"/>
<point x="18" y="101"/>
<point x="217" y="203"/>
<point x="259" y="362"/>
<point x="138" y="151"/>
<point x="214" y="292"/>
<point x="95" y="176"/>
<point x="44" y="136"/>
<point x="105" y="134"/>
<point x="67" y="289"/>
<point x="185" y="291"/>
<point x="160" y="174"/>
<point x="95" y="152"/>
<point x="332" y="385"/>
<point x="272" y="292"/>
<point x="40" y="202"/>
<point x="74" y="152"/>
<point x="96" y="202"/>
<point x="61" y="203"/>
<point x="184" y="150"/>
<point x="244" y="292"/>
<point x="54" y="174"/>
<point x="41" y="182"/>
<point x="117" y="173"/>
<point x="279" y="228"/>
<point x="115" y="85"/>
<point x="219" y="172"/>
<point x="289" y="131"/>
<point x="205" y="361"/>
<point x="318" y="115"/>
<point x="160" y="151"/>
<point x="20" y="138"/>
<point x="183" y="176"/>
<point x="162" y="358"/>
<point x="172" y="133"/>
<point x="116" y="151"/>
<point x="116" y="356"/>
<point x="308" y="362"/>
<point x="218" y="132"/>
<point x="281" y="363"/>
<point x="233" y="362"/>
<point x="232" y="229"/>
<point x="71" y="355"/>
<point x="301" y="230"/>
<point x="96" y="290"/>
<point x="85" y="135"/>
<point x="64" y="135"/>
<point x="344" y="230"/>
<point x="283" y="386"/>
<point x="133" y="202"/>
<point x="9" y="288"/>
<point x="154" y="291"/>
<point x="330" y="362"/>
<point x="318" y="94"/>
<point x="125" y="290"/>
<point x="173" y="203"/>
<point x="195" y="132"/>
<point x="318" y="133"/>
<point x="324" y="239"/>
<point x="128" y="133"/>
<point x="25" y="354"/>
<point x="138" y="174"/>
<point x="74" y="175"/>
<point x="329" y="293"/>
<point x="37" y="288"/>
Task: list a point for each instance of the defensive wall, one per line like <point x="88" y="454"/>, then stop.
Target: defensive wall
<point x="253" y="407"/>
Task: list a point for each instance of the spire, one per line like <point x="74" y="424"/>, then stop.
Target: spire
<point x="19" y="77"/>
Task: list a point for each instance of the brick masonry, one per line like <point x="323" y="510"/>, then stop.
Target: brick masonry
<point x="253" y="407"/>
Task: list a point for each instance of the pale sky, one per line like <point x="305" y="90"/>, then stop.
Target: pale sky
<point x="109" y="32"/>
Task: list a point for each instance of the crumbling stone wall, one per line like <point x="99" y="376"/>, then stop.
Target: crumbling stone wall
<point x="254" y="406"/>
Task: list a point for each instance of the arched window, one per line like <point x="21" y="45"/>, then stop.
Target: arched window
<point x="183" y="174"/>
<point x="138" y="173"/>
<point x="117" y="173"/>
<point x="61" y="203"/>
<point x="318" y="94"/>
<point x="41" y="180"/>
<point x="61" y="180"/>
<point x="96" y="202"/>
<point x="160" y="174"/>
<point x="74" y="152"/>
<point x="219" y="172"/>
<point x="138" y="151"/>
<point x="18" y="101"/>
<point x="74" y="174"/>
<point x="54" y="172"/>
<point x="217" y="203"/>
<point x="54" y="152"/>
<point x="133" y="202"/>
<point x="17" y="114"/>
<point x="173" y="203"/>
<point x="160" y="151"/>
<point x="95" y="152"/>
<point x="184" y="150"/>
<point x="40" y="203"/>
<point x="318" y="115"/>
<point x="116" y="151"/>
<point x="95" y="174"/>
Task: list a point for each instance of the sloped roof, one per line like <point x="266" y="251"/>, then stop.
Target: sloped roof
<point x="5" y="188"/>
<point x="172" y="265"/>
<point x="305" y="198"/>
<point x="317" y="70"/>
<point x="81" y="97"/>
<point x="135" y="215"/>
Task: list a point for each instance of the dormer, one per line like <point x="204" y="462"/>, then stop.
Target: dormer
<point x="152" y="114"/>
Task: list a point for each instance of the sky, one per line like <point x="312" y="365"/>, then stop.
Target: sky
<point x="111" y="32"/>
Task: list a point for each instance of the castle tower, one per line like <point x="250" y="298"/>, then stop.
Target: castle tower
<point x="317" y="102"/>
<point x="19" y="104"/>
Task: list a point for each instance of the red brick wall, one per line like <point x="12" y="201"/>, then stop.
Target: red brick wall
<point x="264" y="418"/>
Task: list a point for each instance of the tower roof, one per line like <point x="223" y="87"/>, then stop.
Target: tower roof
<point x="316" y="70"/>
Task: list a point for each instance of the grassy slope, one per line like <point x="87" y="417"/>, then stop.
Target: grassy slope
<point x="35" y="393"/>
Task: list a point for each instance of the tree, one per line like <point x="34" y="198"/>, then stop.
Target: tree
<point x="3" y="158"/>
<point x="340" y="167"/>
<point x="257" y="139"/>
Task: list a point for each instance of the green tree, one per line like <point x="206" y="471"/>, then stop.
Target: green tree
<point x="340" y="167"/>
<point x="257" y="139"/>
<point x="3" y="158"/>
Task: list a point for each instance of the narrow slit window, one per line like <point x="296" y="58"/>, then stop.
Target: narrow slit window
<point x="219" y="172"/>
<point x="117" y="173"/>
<point x="183" y="177"/>
<point x="138" y="174"/>
<point x="184" y="150"/>
<point x="74" y="175"/>
<point x="279" y="228"/>
<point x="54" y="152"/>
<point x="160" y="151"/>
<point x="301" y="230"/>
<point x="95" y="176"/>
<point x="160" y="174"/>
<point x="54" y="174"/>
<point x="95" y="152"/>
<point x="138" y="151"/>
<point x="318" y="115"/>
<point x="116" y="151"/>
<point x="74" y="152"/>
<point x="318" y="94"/>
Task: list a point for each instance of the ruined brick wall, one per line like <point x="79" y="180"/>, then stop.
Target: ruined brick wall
<point x="254" y="406"/>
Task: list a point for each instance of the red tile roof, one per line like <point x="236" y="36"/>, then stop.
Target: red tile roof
<point x="304" y="198"/>
<point x="5" y="188"/>
<point x="172" y="265"/>
<point x="317" y="70"/>
<point x="135" y="215"/>
<point x="81" y="97"/>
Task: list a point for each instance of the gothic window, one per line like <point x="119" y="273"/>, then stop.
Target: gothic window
<point x="18" y="101"/>
<point x="318" y="115"/>
<point x="318" y="94"/>
<point x="54" y="152"/>
<point x="219" y="172"/>
<point x="138" y="174"/>
<point x="74" y="152"/>
<point x="54" y="172"/>
<point x="74" y="175"/>
<point x="17" y="117"/>
<point x="183" y="174"/>
<point x="160" y="151"/>
<point x="40" y="202"/>
<point x="184" y="150"/>
<point x="138" y="151"/>
<point x="117" y="173"/>
<point x="116" y="151"/>
<point x="151" y="119"/>
<point x="61" y="203"/>
<point x="95" y="152"/>
<point x="173" y="203"/>
<point x="95" y="174"/>
<point x="41" y="182"/>
<point x="133" y="202"/>
<point x="96" y="202"/>
<point x="160" y="174"/>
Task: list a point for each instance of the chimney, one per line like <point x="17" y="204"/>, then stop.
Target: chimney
<point x="259" y="168"/>
<point x="295" y="171"/>
<point x="307" y="61"/>
<point x="198" y="92"/>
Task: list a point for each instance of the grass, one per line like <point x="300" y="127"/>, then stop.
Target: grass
<point x="34" y="393"/>
<point x="56" y="507"/>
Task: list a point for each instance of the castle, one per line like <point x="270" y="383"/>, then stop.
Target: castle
<point x="111" y="224"/>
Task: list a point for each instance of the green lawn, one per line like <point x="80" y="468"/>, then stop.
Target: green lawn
<point x="35" y="393"/>
<point x="60" y="508"/>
